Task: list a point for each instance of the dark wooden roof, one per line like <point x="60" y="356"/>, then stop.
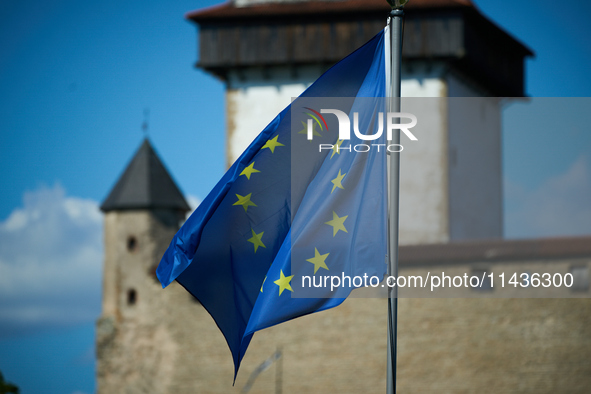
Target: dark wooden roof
<point x="496" y="250"/>
<point x="228" y="10"/>
<point x="323" y="32"/>
<point x="145" y="184"/>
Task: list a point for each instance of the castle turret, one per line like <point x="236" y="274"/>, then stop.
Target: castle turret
<point x="142" y="213"/>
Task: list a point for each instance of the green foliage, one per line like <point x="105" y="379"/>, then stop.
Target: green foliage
<point x="7" y="388"/>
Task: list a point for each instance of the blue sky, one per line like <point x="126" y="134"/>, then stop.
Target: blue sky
<point x="75" y="79"/>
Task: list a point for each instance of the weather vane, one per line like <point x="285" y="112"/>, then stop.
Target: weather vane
<point x="145" y="123"/>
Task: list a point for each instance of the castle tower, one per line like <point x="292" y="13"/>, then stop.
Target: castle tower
<point x="268" y="51"/>
<point x="142" y="213"/>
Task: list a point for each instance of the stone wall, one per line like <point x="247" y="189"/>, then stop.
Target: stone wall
<point x="167" y="343"/>
<point x="445" y="345"/>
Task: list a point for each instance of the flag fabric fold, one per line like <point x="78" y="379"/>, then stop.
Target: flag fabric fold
<point x="286" y="211"/>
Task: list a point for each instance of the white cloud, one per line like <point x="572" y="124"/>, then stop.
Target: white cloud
<point x="50" y="262"/>
<point x="561" y="206"/>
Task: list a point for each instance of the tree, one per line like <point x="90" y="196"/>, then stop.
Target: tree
<point x="7" y="388"/>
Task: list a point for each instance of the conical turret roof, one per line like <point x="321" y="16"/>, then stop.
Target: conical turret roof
<point x="145" y="184"/>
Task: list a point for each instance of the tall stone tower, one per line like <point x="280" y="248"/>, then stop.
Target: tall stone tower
<point x="268" y="51"/>
<point x="142" y="213"/>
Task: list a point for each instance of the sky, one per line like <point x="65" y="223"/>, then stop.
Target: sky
<point x="76" y="79"/>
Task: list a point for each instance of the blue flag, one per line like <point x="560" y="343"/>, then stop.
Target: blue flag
<point x="289" y="215"/>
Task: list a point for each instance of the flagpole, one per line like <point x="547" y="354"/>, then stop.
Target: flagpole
<point x="395" y="27"/>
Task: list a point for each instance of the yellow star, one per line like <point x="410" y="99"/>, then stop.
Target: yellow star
<point x="272" y="144"/>
<point x="256" y="240"/>
<point x="337" y="223"/>
<point x="305" y="130"/>
<point x="283" y="283"/>
<point x="244" y="201"/>
<point x="248" y="171"/>
<point x="335" y="148"/>
<point x="337" y="182"/>
<point x="263" y="284"/>
<point x="318" y="260"/>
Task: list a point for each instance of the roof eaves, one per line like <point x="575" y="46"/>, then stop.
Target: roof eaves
<point x="228" y="11"/>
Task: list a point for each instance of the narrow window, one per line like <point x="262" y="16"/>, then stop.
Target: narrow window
<point x="131" y="243"/>
<point x="131" y="297"/>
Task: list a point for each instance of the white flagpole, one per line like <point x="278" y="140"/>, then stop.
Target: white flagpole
<point x="395" y="30"/>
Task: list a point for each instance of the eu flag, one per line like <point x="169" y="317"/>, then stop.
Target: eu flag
<point x="287" y="212"/>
